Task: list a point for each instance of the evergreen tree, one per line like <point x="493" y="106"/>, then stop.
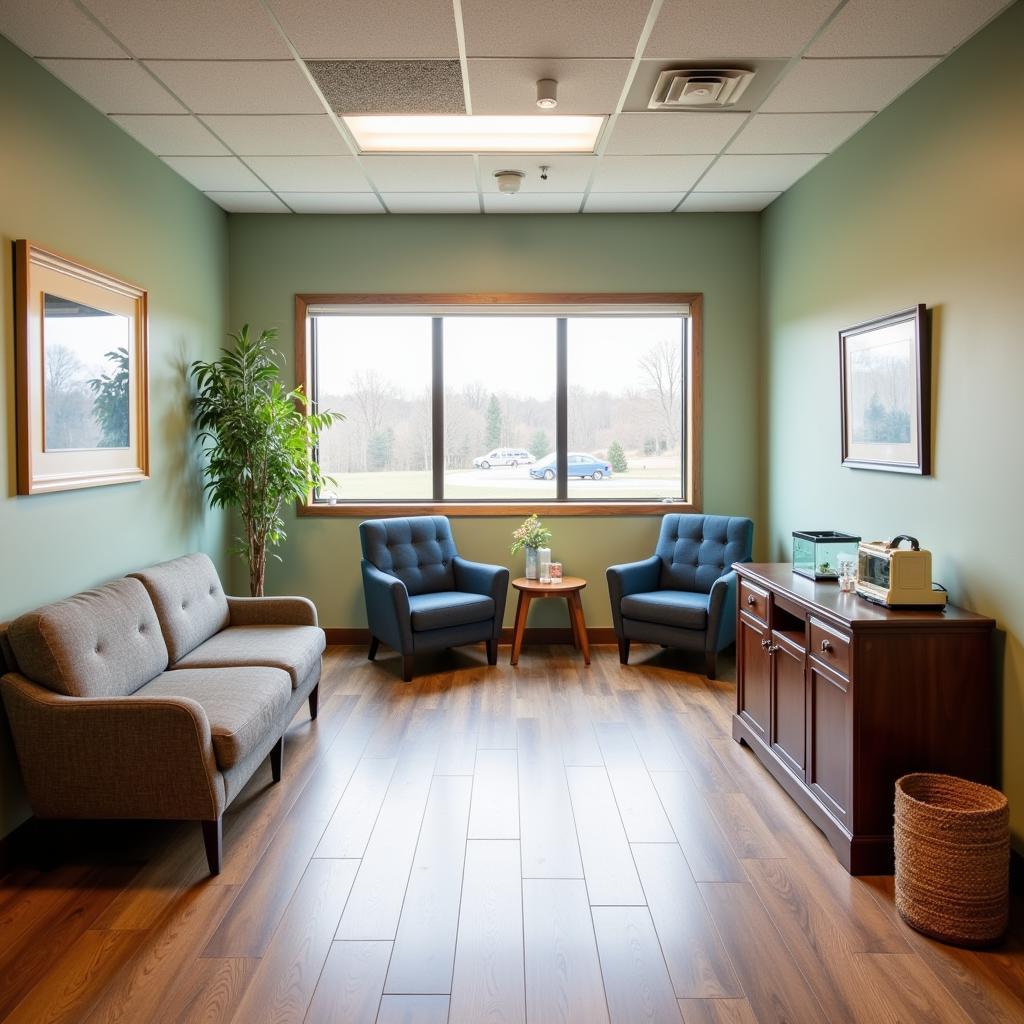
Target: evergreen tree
<point x="539" y="444"/>
<point x="617" y="458"/>
<point x="493" y="419"/>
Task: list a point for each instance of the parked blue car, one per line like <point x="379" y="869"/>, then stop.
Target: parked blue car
<point x="580" y="464"/>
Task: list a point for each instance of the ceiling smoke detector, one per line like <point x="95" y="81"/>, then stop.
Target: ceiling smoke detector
<point x="547" y="94"/>
<point x="699" y="88"/>
<point x="509" y="181"/>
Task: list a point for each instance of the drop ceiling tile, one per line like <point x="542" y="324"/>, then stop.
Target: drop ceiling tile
<point x="432" y="202"/>
<point x="764" y="173"/>
<point x="727" y="202"/>
<point x="797" y="133"/>
<point x="309" y="173"/>
<point x="552" y="203"/>
<point x="688" y="29"/>
<point x="401" y="173"/>
<point x="881" y="28"/>
<point x="171" y="134"/>
<point x="279" y="134"/>
<point x="239" y="86"/>
<point x="215" y="173"/>
<point x="632" y="202"/>
<point x="196" y="29"/>
<point x="539" y="28"/>
<point x="508" y="86"/>
<point x="836" y="85"/>
<point x="649" y="173"/>
<point x="566" y="172"/>
<point x="248" y="202"/>
<point x="54" y="28"/>
<point x="390" y="86"/>
<point x="368" y="30"/>
<point x="673" y="132"/>
<point x="332" y="202"/>
<point x="115" y="86"/>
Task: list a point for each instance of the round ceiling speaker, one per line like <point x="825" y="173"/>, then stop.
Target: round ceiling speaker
<point x="509" y="181"/>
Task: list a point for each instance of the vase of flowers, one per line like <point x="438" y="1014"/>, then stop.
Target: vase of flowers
<point x="530" y="537"/>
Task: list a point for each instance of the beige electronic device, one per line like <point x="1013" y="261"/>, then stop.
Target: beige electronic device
<point x="897" y="577"/>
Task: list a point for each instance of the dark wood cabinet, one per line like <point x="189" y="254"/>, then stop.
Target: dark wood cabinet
<point x="839" y="698"/>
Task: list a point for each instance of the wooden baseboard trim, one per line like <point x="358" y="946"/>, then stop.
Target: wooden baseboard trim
<point x="535" y="635"/>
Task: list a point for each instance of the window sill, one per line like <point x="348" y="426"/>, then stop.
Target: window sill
<point x="495" y="508"/>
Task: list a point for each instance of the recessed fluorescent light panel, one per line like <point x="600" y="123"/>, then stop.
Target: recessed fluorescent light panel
<point x="471" y="133"/>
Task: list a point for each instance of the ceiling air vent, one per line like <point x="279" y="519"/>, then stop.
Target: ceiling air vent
<point x="699" y="88"/>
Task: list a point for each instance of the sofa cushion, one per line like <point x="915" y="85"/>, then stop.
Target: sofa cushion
<point x="678" y="608"/>
<point x="296" y="649"/>
<point x="189" y="601"/>
<point x="243" y="705"/>
<point x="419" y="550"/>
<point x="448" y="608"/>
<point x="101" y="643"/>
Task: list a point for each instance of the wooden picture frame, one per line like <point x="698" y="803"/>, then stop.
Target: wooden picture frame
<point x="81" y="371"/>
<point x="885" y="393"/>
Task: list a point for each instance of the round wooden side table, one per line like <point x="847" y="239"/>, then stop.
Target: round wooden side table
<point x="569" y="588"/>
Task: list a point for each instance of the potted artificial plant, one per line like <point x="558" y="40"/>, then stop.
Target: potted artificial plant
<point x="258" y="440"/>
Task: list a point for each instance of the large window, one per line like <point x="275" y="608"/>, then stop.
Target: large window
<point x="480" y="405"/>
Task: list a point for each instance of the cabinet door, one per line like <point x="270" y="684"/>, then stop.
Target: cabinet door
<point x="753" y="695"/>
<point x="830" y="713"/>
<point x="789" y="697"/>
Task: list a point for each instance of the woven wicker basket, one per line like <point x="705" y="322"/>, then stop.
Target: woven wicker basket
<point x="952" y="858"/>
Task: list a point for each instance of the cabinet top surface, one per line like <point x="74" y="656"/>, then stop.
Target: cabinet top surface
<point x="826" y="596"/>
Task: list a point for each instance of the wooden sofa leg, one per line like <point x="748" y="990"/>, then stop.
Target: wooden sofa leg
<point x="213" y="839"/>
<point x="710" y="664"/>
<point x="492" y="652"/>
<point x="407" y="662"/>
<point x="277" y="759"/>
<point x="623" y="650"/>
<point x="314" y="701"/>
<point x="374" y="644"/>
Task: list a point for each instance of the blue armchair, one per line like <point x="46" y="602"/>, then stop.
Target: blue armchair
<point x="684" y="595"/>
<point x="421" y="596"/>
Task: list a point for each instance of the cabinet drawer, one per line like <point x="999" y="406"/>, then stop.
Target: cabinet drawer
<point x="830" y="647"/>
<point x="754" y="601"/>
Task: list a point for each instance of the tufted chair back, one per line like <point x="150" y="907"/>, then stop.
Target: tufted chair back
<point x="695" y="549"/>
<point x="419" y="550"/>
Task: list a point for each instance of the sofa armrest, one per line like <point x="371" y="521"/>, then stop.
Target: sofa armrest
<point x="113" y="757"/>
<point x="387" y="608"/>
<point x="630" y="578"/>
<point x="272" y="611"/>
<point x="722" y="612"/>
<point x="488" y="580"/>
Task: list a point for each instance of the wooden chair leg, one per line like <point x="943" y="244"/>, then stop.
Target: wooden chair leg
<point x="213" y="839"/>
<point x="277" y="759"/>
<point x="314" y="701"/>
<point x="492" y="652"/>
<point x="374" y="644"/>
<point x="407" y="665"/>
<point x="710" y="664"/>
<point x="623" y="650"/>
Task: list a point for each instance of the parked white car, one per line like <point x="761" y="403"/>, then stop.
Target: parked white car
<point x="504" y="457"/>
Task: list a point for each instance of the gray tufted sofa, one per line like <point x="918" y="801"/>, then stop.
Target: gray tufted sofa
<point x="684" y="595"/>
<point x="156" y="696"/>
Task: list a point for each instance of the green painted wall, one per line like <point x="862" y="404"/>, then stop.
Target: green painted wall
<point x="925" y="204"/>
<point x="73" y="181"/>
<point x="273" y="257"/>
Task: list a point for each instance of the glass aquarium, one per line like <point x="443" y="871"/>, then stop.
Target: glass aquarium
<point x="817" y="553"/>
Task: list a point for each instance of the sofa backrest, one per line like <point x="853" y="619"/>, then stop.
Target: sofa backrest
<point x="696" y="549"/>
<point x="8" y="663"/>
<point x="189" y="600"/>
<point x="105" y="642"/>
<point x="419" y="550"/>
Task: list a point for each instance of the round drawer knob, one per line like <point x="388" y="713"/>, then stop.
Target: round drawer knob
<point x="826" y="647"/>
<point x="766" y="644"/>
<point x="751" y="600"/>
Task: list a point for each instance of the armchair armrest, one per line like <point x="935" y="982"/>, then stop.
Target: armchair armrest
<point x="631" y="578"/>
<point x="722" y="612"/>
<point x="272" y="611"/>
<point x="489" y="580"/>
<point x="387" y="608"/>
<point x="113" y="757"/>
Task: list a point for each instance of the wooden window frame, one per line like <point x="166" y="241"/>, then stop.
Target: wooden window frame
<point x="691" y="425"/>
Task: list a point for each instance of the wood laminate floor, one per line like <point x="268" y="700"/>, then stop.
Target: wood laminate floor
<point x="549" y="843"/>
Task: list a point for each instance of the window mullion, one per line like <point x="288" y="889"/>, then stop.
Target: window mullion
<point x="562" y="409"/>
<point x="437" y="407"/>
